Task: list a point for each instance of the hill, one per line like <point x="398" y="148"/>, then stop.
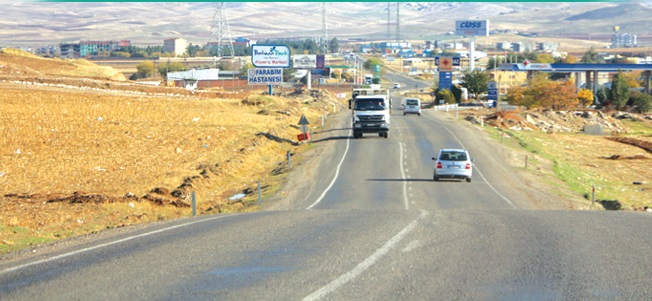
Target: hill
<point x="31" y="23"/>
<point x="14" y="62"/>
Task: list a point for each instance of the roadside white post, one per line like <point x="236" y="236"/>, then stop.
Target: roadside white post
<point x="260" y="196"/>
<point x="194" y="204"/>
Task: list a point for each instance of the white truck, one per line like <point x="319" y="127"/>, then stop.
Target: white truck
<point x="371" y="111"/>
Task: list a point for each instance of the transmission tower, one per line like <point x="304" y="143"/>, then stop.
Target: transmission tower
<point x="398" y="23"/>
<point x="220" y="31"/>
<point x="324" y="28"/>
<point x="389" y="17"/>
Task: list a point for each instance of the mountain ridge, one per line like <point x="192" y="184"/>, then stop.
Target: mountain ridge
<point x="30" y="23"/>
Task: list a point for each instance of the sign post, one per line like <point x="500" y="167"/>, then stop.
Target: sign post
<point x="492" y="94"/>
<point x="270" y="56"/>
<point x="303" y="122"/>
<point x="446" y="64"/>
<point x="310" y="62"/>
<point x="472" y="28"/>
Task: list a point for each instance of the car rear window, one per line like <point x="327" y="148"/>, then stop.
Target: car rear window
<point x="453" y="156"/>
<point x="412" y="102"/>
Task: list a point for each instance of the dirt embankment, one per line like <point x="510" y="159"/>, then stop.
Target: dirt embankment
<point x="610" y="151"/>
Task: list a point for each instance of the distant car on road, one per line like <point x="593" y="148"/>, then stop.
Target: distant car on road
<point x="412" y="106"/>
<point x="397" y="86"/>
<point x="453" y="163"/>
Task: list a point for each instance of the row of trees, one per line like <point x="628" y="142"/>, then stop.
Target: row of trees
<point x="544" y="91"/>
<point x="589" y="57"/>
<point x="307" y="46"/>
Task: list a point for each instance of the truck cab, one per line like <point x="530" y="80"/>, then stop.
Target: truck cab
<point x="371" y="114"/>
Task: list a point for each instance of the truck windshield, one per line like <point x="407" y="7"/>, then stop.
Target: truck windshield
<point x="371" y="104"/>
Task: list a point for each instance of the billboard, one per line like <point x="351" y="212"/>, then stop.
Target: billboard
<point x="270" y="56"/>
<point x="308" y="61"/>
<point x="265" y="76"/>
<point x="446" y="63"/>
<point x="472" y="28"/>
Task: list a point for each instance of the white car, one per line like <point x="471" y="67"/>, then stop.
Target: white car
<point x="453" y="163"/>
<point x="397" y="86"/>
<point x="412" y="106"/>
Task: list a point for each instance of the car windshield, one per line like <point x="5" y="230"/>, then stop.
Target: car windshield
<point x="371" y="104"/>
<point x="453" y="156"/>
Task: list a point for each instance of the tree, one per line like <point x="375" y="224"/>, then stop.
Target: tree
<point x="569" y="59"/>
<point x="591" y="57"/>
<point x="146" y="68"/>
<point x="369" y="64"/>
<point x="585" y="96"/>
<point x="163" y="69"/>
<point x="457" y="92"/>
<point x="603" y="96"/>
<point x="541" y="92"/>
<point x="192" y="50"/>
<point x="545" y="58"/>
<point x="446" y="95"/>
<point x="642" y="102"/>
<point x="619" y="91"/>
<point x="123" y="54"/>
<point x="334" y="46"/>
<point x="475" y="82"/>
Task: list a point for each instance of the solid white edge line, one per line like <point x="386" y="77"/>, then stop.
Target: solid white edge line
<point x="364" y="265"/>
<point x="16" y="268"/>
<point x="483" y="178"/>
<point x="337" y="173"/>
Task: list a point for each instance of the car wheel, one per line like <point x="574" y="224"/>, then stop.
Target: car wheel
<point x="386" y="135"/>
<point x="403" y="114"/>
<point x="468" y="180"/>
<point x="419" y="114"/>
<point x="435" y="178"/>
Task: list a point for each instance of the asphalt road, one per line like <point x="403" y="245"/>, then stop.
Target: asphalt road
<point x="371" y="225"/>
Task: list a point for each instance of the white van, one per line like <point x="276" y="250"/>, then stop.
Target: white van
<point x="412" y="106"/>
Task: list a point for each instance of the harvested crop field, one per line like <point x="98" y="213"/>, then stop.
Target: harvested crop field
<point x="80" y="155"/>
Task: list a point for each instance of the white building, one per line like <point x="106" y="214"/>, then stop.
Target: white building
<point x="175" y="46"/>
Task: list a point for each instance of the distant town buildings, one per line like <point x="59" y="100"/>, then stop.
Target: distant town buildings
<point x="623" y="40"/>
<point x="88" y="49"/>
<point x="175" y="46"/>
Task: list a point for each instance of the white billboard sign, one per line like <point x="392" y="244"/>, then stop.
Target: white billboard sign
<point x="305" y="61"/>
<point x="472" y="28"/>
<point x="265" y="76"/>
<point x="270" y="56"/>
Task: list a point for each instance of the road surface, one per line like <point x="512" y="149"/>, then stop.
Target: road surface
<point x="368" y="224"/>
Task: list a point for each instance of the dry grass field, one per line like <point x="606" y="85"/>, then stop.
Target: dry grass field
<point x="570" y="163"/>
<point x="81" y="153"/>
